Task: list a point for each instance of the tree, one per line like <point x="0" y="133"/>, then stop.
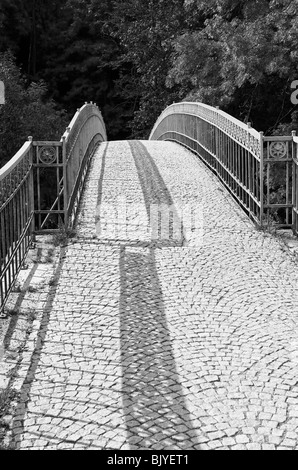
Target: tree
<point x="242" y="58"/>
<point x="134" y="57"/>
<point x="26" y="111"/>
<point x="145" y="30"/>
<point x="61" y="43"/>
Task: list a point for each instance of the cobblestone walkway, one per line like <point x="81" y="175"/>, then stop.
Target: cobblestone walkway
<point x="189" y="344"/>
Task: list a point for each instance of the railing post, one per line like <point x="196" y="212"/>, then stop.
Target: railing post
<point x="65" y="183"/>
<point x="217" y="142"/>
<point x="31" y="191"/>
<point x="294" y="184"/>
<point x="261" y="178"/>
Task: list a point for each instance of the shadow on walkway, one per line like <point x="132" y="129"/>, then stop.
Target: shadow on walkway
<point x="20" y="300"/>
<point x="24" y="397"/>
<point x="153" y="401"/>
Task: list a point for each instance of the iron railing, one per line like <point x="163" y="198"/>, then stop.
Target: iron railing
<point x="16" y="217"/>
<point x="40" y="188"/>
<point x="295" y="184"/>
<point x="64" y="166"/>
<point x="244" y="160"/>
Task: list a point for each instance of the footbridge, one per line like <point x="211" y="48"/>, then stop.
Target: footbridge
<point x="170" y="321"/>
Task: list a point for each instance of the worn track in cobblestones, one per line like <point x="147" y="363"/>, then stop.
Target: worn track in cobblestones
<point x="166" y="344"/>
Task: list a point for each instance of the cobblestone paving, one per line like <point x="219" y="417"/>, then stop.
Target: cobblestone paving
<point x="183" y="345"/>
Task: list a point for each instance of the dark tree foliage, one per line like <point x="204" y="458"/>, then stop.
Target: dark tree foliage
<point x="26" y="111"/>
<point x="135" y="57"/>
<point x="82" y="63"/>
<point x="243" y="58"/>
<point x="68" y="45"/>
<point x="146" y="30"/>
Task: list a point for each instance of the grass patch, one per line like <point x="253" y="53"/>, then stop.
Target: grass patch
<point x="21" y="290"/>
<point x="32" y="289"/>
<point x="17" y="289"/>
<point x="53" y="281"/>
<point x="6" y="398"/>
<point x="12" y="312"/>
<point x="62" y="236"/>
<point x="49" y="257"/>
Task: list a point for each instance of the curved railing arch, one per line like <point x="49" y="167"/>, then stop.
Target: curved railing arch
<point x="232" y="149"/>
<point x="237" y="130"/>
<point x="85" y="132"/>
<point x="242" y="158"/>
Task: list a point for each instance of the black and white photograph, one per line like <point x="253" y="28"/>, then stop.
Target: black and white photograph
<point x="148" y="228"/>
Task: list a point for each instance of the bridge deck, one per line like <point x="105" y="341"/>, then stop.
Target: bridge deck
<point x="165" y="344"/>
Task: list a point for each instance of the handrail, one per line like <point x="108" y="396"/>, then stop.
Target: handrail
<point x="194" y="106"/>
<point x="14" y="161"/>
<point x="87" y="107"/>
<point x="241" y="132"/>
<point x="243" y="159"/>
<point x="232" y="149"/>
<point x="295" y="183"/>
<point x="85" y="132"/>
<point x="16" y="217"/>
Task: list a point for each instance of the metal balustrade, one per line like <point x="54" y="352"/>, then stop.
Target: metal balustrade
<point x="65" y="164"/>
<point x="86" y="131"/>
<point x="244" y="160"/>
<point x="40" y="188"/>
<point x="278" y="153"/>
<point x="295" y="184"/>
<point x="16" y="217"/>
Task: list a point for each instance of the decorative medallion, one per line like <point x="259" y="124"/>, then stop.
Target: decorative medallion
<point x="47" y="155"/>
<point x="278" y="149"/>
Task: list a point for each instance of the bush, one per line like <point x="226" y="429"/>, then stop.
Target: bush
<point x="26" y="111"/>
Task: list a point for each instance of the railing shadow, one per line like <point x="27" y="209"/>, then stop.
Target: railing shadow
<point x="153" y="401"/>
<point x="24" y="396"/>
<point x="21" y="297"/>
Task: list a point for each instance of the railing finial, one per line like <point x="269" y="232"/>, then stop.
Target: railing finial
<point x="30" y="138"/>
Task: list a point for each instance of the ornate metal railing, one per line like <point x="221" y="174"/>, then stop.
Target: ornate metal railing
<point x="40" y="188"/>
<point x="16" y="217"/>
<point x="278" y="181"/>
<point x="60" y="168"/>
<point x="243" y="159"/>
<point x="295" y="184"/>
